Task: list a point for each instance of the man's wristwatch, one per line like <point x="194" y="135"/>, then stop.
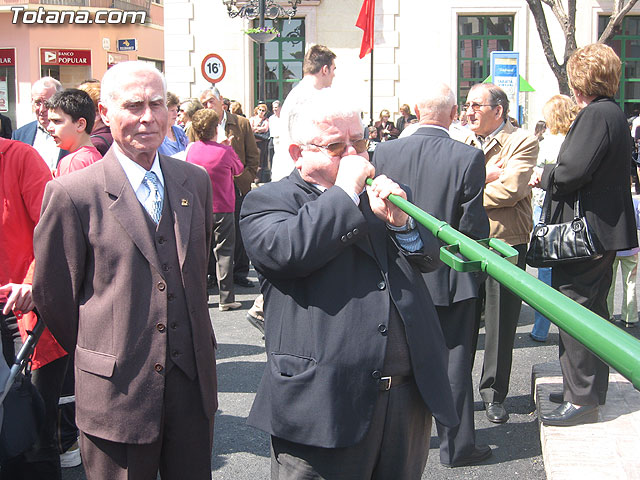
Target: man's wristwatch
<point x="407" y="227"/>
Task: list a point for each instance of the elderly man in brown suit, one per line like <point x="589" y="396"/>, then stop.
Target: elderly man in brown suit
<point x="236" y="131"/>
<point x="129" y="294"/>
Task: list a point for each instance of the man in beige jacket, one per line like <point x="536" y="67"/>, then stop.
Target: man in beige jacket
<point x="511" y="154"/>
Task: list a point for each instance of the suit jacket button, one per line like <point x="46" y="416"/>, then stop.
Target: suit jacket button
<point x="165" y="267"/>
<point x="174" y="326"/>
<point x="171" y="297"/>
<point x="161" y="286"/>
<point x="175" y="353"/>
<point x="343" y="238"/>
<point x="161" y="240"/>
<point x="376" y="374"/>
<point x="356" y="231"/>
<point x="158" y="368"/>
<point x="161" y="327"/>
<point x="350" y="235"/>
<point x="381" y="285"/>
<point x="382" y="328"/>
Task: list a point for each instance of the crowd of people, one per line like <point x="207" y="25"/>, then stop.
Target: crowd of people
<point x="124" y="207"/>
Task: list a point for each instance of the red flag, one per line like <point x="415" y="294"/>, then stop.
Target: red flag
<point x="365" y="22"/>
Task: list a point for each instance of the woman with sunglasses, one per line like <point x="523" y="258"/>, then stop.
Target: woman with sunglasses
<point x="260" y="126"/>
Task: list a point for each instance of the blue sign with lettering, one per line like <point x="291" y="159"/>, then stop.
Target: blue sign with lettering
<point x="127" y="45"/>
<point x="505" y="73"/>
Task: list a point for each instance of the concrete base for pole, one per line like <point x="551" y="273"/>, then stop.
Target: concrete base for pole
<point x="608" y="449"/>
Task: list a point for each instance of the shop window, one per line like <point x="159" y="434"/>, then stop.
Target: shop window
<point x="478" y="36"/>
<point x="283" y="56"/>
<point x="626" y="43"/>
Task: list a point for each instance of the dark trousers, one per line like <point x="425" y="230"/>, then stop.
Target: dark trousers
<point x="457" y="322"/>
<point x="182" y="451"/>
<point x="585" y="377"/>
<point x="501" y="312"/>
<point x="10" y="336"/>
<point x="240" y="258"/>
<point x="395" y="446"/>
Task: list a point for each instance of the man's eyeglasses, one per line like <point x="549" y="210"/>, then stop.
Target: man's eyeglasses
<point x="476" y="106"/>
<point x="337" y="149"/>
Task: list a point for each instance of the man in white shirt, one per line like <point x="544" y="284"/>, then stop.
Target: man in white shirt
<point x="319" y="69"/>
<point x="35" y="133"/>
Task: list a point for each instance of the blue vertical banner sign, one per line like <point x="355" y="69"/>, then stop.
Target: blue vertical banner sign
<point x="505" y="73"/>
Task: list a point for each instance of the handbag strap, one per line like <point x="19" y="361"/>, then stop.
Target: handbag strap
<point x="545" y="215"/>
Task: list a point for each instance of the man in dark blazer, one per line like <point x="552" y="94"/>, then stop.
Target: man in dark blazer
<point x="35" y="133"/>
<point x="356" y="359"/>
<point x="240" y="136"/>
<point x="447" y="181"/>
<point x="5" y="127"/>
<point x="129" y="294"/>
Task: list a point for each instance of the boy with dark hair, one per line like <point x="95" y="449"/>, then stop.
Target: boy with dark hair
<point x="71" y="118"/>
<point x="317" y="57"/>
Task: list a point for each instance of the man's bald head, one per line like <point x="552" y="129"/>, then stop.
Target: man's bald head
<point x="437" y="106"/>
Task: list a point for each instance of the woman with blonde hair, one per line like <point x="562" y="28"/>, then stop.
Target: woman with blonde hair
<point x="559" y="113"/>
<point x="385" y="128"/>
<point x="593" y="163"/>
<point x="260" y="126"/>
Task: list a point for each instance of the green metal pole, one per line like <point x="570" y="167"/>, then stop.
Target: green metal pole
<point x="611" y="344"/>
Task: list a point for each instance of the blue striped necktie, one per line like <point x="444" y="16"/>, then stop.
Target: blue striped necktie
<point x="153" y="203"/>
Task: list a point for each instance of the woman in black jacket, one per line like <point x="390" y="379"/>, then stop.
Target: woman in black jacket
<point x="594" y="162"/>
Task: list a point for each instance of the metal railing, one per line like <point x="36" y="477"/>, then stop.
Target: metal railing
<point x="614" y="346"/>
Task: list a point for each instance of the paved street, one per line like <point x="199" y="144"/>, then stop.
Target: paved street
<point x="242" y="453"/>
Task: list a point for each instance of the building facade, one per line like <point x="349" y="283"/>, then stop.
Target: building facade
<point x="416" y="42"/>
<point x="71" y="40"/>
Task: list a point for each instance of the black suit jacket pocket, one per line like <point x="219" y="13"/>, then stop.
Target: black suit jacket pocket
<point x="287" y="365"/>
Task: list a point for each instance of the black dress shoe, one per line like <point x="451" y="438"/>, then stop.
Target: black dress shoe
<point x="243" y="282"/>
<point x="496" y="412"/>
<point x="568" y="415"/>
<point x="480" y="454"/>
<point x="256" y="322"/>
<point x="558" y="397"/>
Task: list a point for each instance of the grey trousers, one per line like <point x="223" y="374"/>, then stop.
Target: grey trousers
<point x="223" y="244"/>
<point x="501" y="312"/>
<point x="396" y="445"/>
<point x="182" y="451"/>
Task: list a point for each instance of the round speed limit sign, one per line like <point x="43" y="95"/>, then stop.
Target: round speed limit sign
<point x="213" y="68"/>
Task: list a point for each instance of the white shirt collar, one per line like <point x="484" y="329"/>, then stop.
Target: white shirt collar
<point x="134" y="172"/>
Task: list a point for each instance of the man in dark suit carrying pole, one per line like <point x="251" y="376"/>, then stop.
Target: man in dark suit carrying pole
<point x="356" y="359"/>
<point x="129" y="294"/>
<point x="447" y="181"/>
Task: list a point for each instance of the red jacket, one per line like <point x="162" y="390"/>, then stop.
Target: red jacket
<point x="23" y="176"/>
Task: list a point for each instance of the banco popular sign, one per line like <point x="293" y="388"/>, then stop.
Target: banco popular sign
<point x="50" y="56"/>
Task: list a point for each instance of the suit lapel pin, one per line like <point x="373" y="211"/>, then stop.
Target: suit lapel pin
<point x="185" y="202"/>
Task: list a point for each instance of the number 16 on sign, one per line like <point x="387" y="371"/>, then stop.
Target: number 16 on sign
<point x="213" y="68"/>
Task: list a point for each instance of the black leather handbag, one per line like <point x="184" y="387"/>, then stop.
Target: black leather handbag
<point x="553" y="244"/>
